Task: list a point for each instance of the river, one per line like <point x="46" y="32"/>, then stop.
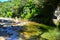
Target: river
<point x="10" y="32"/>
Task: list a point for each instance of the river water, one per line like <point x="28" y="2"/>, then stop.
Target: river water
<point x="10" y="32"/>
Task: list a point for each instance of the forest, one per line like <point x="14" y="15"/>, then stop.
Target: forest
<point x="39" y="17"/>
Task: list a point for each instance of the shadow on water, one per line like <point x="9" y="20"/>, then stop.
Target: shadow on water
<point x="10" y="32"/>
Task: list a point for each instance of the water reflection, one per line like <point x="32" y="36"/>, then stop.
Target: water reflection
<point x="10" y="32"/>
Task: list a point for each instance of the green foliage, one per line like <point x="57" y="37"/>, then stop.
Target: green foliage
<point x="8" y="8"/>
<point x="28" y="10"/>
<point x="9" y="14"/>
<point x="51" y="35"/>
